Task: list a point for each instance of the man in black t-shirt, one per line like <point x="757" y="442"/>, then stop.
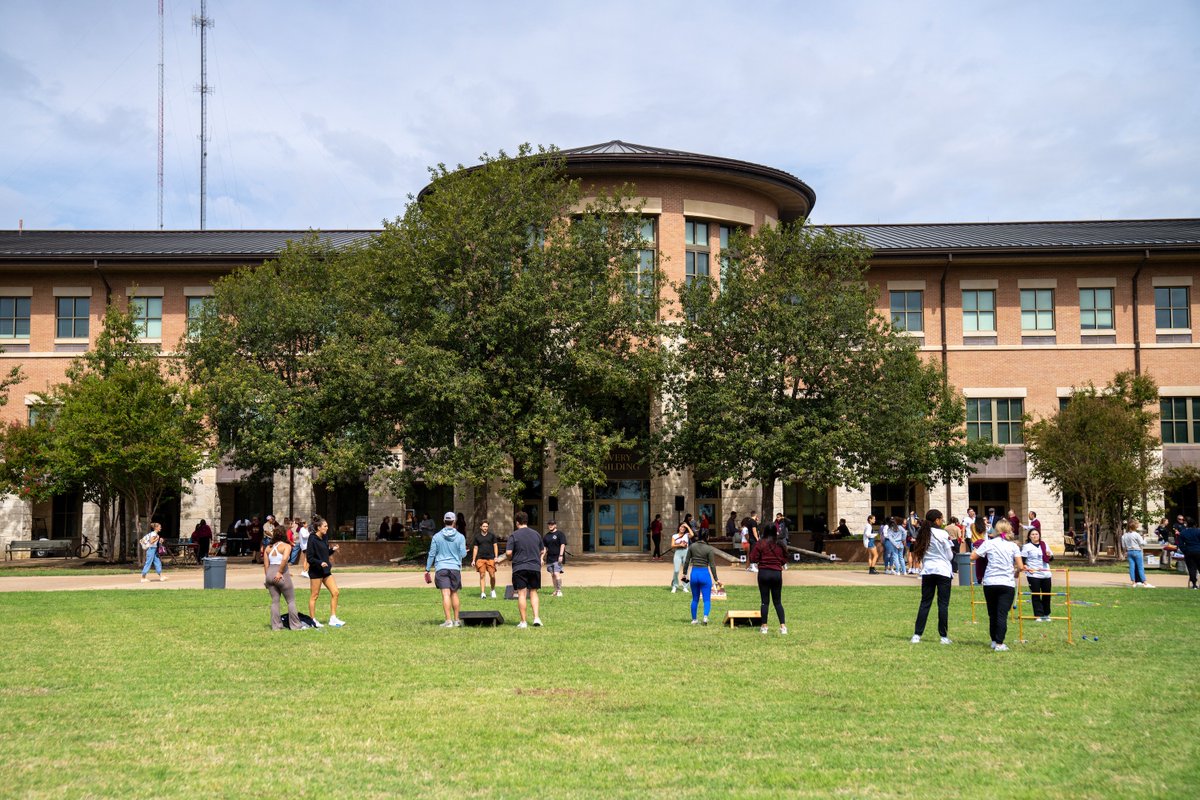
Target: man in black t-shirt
<point x="483" y="556"/>
<point x="525" y="552"/>
<point x="555" y="544"/>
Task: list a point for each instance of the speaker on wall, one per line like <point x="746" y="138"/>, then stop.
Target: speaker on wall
<point x="679" y="502"/>
<point x="552" y="503"/>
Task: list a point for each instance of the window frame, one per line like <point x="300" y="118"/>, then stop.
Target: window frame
<point x="1188" y="422"/>
<point x="906" y="312"/>
<point x="1041" y="307"/>
<point x="1095" y="309"/>
<point x="1013" y="427"/>
<point x="1171" y="310"/>
<point x="76" y="320"/>
<point x="975" y="310"/>
<point x="697" y="251"/>
<point x="139" y="307"/>
<point x="12" y="321"/>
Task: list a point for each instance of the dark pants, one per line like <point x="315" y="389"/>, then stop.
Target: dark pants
<point x="656" y="538"/>
<point x="818" y="542"/>
<point x="1192" y="560"/>
<point x="999" y="602"/>
<point x="929" y="585"/>
<point x="202" y="549"/>
<point x="1039" y="593"/>
<point x="770" y="590"/>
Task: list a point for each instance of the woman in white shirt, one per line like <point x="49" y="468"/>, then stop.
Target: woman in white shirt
<point x="999" y="580"/>
<point x="933" y="551"/>
<point x="1038" y="557"/>
<point x="869" y="540"/>
<point x="1133" y="543"/>
<point x="679" y="547"/>
<point x="893" y="546"/>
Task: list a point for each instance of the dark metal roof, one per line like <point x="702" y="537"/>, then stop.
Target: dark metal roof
<point x="1007" y="236"/>
<point x="251" y="244"/>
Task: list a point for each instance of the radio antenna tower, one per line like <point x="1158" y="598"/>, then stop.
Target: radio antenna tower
<point x="160" y="114"/>
<point x="203" y="22"/>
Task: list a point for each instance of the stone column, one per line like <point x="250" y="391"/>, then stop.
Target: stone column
<point x="1041" y="497"/>
<point x="16" y="521"/>
<point x="854" y="505"/>
<point x="202" y="502"/>
<point x="382" y="503"/>
<point x="89" y="521"/>
<point x="303" y="500"/>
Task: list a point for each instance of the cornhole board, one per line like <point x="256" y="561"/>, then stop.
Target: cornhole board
<point x="734" y="618"/>
<point x="489" y="618"/>
<point x="510" y="593"/>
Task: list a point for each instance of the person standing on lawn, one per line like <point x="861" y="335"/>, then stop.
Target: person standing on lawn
<point x="769" y="557"/>
<point x="868" y="540"/>
<point x="151" y="543"/>
<point x="999" y="580"/>
<point x="526" y="554"/>
<point x="278" y="580"/>
<point x="320" y="572"/>
<point x="656" y="529"/>
<point x="555" y="545"/>
<point x="679" y="545"/>
<point x="935" y="554"/>
<point x="447" y="550"/>
<point x="701" y="558"/>
<point x="1037" y="557"/>
<point x="483" y="556"/>
<point x="1188" y="542"/>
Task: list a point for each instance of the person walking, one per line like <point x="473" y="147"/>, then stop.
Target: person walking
<point x="770" y="557"/>
<point x="935" y="554"/>
<point x="1037" y="557"/>
<point x="320" y="572"/>
<point x="679" y="545"/>
<point x="151" y="543"/>
<point x="868" y="540"/>
<point x="483" y="556"/>
<point x="278" y="580"/>
<point x="999" y="580"/>
<point x="526" y="554"/>
<point x="1133" y="543"/>
<point x="555" y="545"/>
<point x="701" y="558"/>
<point x="1188" y="541"/>
<point x="656" y="528"/>
<point x="447" y="550"/>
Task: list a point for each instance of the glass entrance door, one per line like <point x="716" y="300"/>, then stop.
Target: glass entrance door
<point x="631" y="525"/>
<point x="619" y="525"/>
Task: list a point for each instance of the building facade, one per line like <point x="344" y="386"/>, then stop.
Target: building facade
<point x="1017" y="313"/>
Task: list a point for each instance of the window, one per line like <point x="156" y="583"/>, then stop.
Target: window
<point x="724" y="234"/>
<point x="979" y="310"/>
<point x="641" y="278"/>
<point x="695" y="237"/>
<point x="1037" y="309"/>
<point x="72" y="317"/>
<point x="147" y="316"/>
<point x="195" y="309"/>
<point x="995" y="420"/>
<point x="1096" y="309"/>
<point x="1171" y="307"/>
<point x="907" y="313"/>
<point x="14" y="317"/>
<point x="1180" y="419"/>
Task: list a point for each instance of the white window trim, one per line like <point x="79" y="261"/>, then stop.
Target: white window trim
<point x="977" y="284"/>
<point x="198" y="291"/>
<point x="16" y="291"/>
<point x="143" y="291"/>
<point x="999" y="393"/>
<point x="722" y="212"/>
<point x="906" y="286"/>
<point x="1038" y="332"/>
<point x="72" y="291"/>
<point x="1037" y="283"/>
<point x="1164" y="282"/>
<point x="1096" y="283"/>
<point x="1172" y="331"/>
<point x="1179" y="391"/>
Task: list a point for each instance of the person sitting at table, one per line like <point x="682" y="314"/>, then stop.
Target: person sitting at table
<point x="385" y="528"/>
<point x="202" y="539"/>
<point x="397" y="532"/>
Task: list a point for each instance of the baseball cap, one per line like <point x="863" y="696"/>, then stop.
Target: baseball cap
<point x="449" y="517"/>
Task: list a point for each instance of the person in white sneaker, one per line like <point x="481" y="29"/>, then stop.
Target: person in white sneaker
<point x="555" y="544"/>
<point x="298" y="554"/>
<point x="483" y="556"/>
<point x="151" y="543"/>
<point x="770" y="557"/>
<point x="1038" y="557"/>
<point x="278" y="580"/>
<point x="934" y="552"/>
<point x="320" y="573"/>
<point x="999" y="579"/>
<point x="680" y="541"/>
<point x="447" y="549"/>
<point x="1133" y="543"/>
<point x="869" y="544"/>
<point x="701" y="559"/>
<point x="525" y="552"/>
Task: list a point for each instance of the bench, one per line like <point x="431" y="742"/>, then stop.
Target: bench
<point x="64" y="547"/>
<point x="177" y="551"/>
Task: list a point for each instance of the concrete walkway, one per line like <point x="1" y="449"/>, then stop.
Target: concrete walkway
<point x="583" y="572"/>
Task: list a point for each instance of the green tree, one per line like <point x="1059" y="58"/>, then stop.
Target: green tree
<point x="122" y="429"/>
<point x="918" y="426"/>
<point x="776" y="372"/>
<point x="523" y="320"/>
<point x="1101" y="447"/>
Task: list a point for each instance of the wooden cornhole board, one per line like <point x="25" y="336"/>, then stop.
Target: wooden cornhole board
<point x="492" y="618"/>
<point x="743" y="618"/>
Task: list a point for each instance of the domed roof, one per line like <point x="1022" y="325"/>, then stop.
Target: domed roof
<point x="793" y="196"/>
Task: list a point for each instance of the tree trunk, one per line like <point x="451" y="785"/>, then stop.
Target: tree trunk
<point x="479" y="509"/>
<point x="767" y="517"/>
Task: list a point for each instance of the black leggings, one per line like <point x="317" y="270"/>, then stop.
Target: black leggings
<point x="1039" y="594"/>
<point x="999" y="602"/>
<point x="657" y="539"/>
<point x="929" y="585"/>
<point x="770" y="590"/>
<point x="1192" y="560"/>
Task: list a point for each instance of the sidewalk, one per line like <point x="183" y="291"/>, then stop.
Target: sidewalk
<point x="589" y="572"/>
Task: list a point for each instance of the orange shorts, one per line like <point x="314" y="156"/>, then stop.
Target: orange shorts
<point x="486" y="565"/>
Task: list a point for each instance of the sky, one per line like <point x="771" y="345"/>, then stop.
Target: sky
<point x="327" y="114"/>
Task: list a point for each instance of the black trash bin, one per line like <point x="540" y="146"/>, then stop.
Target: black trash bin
<point x="214" y="572"/>
<point x="965" y="571"/>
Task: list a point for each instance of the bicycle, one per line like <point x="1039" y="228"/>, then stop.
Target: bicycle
<point x="86" y="549"/>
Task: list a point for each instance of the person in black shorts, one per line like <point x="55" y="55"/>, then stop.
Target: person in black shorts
<point x="526" y="554"/>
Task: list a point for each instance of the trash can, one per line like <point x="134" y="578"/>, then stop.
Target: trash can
<point x="214" y="572"/>
<point x="965" y="571"/>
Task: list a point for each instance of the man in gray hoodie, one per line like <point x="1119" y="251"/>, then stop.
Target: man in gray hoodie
<point x="447" y="550"/>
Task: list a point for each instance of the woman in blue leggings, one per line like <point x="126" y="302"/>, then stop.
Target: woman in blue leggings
<point x="703" y="559"/>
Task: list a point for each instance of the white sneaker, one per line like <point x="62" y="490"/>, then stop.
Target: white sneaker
<point x="754" y="567"/>
<point x="317" y="623"/>
<point x="483" y="595"/>
<point x="334" y="622"/>
<point x="1001" y="648"/>
<point x="558" y="593"/>
<point x="537" y="623"/>
<point x="674" y="589"/>
<point x="446" y="624"/>
<point x="705" y="620"/>
<point x="1134" y="585"/>
<point x="695" y="622"/>
<point x="458" y="623"/>
<point x="145" y="580"/>
<point x="783" y="630"/>
<point x="763" y="629"/>
<point x="522" y="625"/>
<point x="992" y="645"/>
<point x="304" y="574"/>
<point x="493" y="594"/>
<point x="162" y="578"/>
<point x="1144" y="585"/>
<point x="915" y="639"/>
<point x="946" y="640"/>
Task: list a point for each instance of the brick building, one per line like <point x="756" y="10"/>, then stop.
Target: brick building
<point x="1018" y="314"/>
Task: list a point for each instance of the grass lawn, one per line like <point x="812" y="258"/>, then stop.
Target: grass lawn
<point x="189" y="694"/>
